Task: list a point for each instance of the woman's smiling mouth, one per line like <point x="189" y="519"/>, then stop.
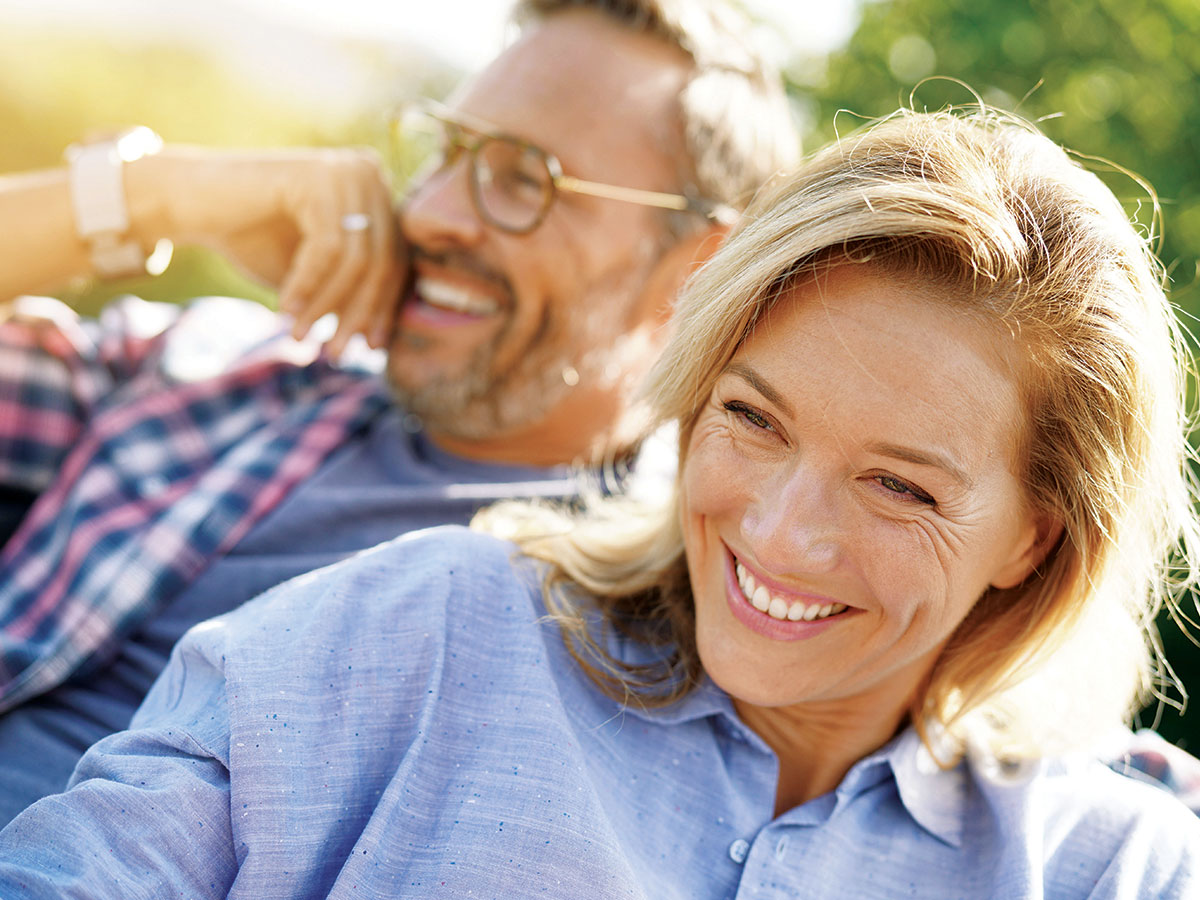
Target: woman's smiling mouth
<point x="773" y="614"/>
<point x="777" y="607"/>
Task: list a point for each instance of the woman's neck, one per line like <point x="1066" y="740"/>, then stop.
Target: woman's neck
<point x="818" y="743"/>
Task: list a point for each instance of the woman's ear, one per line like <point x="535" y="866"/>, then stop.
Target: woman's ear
<point x="1039" y="538"/>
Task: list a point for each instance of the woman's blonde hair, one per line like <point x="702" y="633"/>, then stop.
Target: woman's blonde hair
<point x="1005" y="226"/>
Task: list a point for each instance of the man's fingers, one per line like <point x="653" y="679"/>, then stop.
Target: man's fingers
<point x="316" y="257"/>
<point x="354" y="314"/>
<point x="381" y="294"/>
<point x="349" y="259"/>
<point x="383" y="319"/>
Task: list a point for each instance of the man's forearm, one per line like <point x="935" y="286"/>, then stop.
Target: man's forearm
<point x="40" y="248"/>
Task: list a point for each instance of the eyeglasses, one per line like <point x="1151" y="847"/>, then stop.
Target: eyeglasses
<point x="513" y="183"/>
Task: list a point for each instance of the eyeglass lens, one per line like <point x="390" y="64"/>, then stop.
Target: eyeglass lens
<point x="511" y="184"/>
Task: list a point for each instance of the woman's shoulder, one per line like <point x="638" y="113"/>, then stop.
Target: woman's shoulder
<point x="1091" y="824"/>
<point x="1139" y="832"/>
<point x="420" y="582"/>
<point x="436" y="548"/>
<point x="1089" y="792"/>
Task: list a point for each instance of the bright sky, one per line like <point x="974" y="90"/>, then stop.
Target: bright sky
<point x="470" y="31"/>
<point x="466" y="32"/>
<point x="292" y="46"/>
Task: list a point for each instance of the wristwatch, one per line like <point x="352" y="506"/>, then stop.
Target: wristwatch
<point x="98" y="199"/>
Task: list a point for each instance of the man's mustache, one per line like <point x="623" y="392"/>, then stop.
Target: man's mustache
<point x="460" y="261"/>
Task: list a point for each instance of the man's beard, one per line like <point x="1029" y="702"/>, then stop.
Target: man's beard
<point x="580" y="342"/>
<point x="478" y="402"/>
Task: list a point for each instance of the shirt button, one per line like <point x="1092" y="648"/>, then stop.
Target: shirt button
<point x="781" y="848"/>
<point x="739" y="850"/>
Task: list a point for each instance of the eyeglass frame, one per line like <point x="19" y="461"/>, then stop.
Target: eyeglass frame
<point x="482" y="132"/>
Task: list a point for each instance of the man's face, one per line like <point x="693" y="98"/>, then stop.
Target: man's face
<point x="523" y="347"/>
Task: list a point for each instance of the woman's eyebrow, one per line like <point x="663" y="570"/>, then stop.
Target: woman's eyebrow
<point x="920" y="457"/>
<point x="931" y="458"/>
<point x="756" y="381"/>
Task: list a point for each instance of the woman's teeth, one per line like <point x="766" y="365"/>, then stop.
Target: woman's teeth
<point x="778" y="608"/>
<point x="454" y="298"/>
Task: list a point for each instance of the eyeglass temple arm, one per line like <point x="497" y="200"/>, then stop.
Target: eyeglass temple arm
<point x="613" y="192"/>
<point x="637" y="195"/>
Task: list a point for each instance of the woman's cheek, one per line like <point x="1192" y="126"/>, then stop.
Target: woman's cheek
<point x="715" y="474"/>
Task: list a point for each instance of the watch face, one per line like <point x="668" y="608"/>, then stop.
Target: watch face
<point x="136" y="143"/>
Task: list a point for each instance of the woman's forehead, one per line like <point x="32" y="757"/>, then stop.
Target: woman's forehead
<point x="882" y="354"/>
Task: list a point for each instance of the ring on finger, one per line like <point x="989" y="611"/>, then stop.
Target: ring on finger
<point x="355" y="222"/>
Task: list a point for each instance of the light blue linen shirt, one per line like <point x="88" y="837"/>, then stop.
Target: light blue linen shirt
<point x="408" y="724"/>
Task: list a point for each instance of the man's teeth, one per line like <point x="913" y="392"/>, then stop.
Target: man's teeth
<point x="778" y="608"/>
<point x="452" y="297"/>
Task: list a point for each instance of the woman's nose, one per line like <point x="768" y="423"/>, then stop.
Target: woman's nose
<point x="439" y="213"/>
<point x="793" y="524"/>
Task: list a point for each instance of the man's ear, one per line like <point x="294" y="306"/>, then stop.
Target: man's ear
<point x="1040" y="537"/>
<point x="674" y="267"/>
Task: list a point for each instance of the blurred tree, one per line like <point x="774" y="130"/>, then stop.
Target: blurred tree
<point x="1118" y="79"/>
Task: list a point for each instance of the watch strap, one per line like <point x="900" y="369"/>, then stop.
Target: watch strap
<point x="96" y="175"/>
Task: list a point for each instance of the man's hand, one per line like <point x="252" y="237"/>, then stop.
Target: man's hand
<point x="293" y="219"/>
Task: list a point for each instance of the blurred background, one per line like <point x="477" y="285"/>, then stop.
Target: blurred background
<point x="1114" y="79"/>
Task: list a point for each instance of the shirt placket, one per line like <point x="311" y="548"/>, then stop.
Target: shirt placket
<point x="778" y="860"/>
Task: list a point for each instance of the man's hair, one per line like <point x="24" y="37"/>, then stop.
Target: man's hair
<point x="734" y="116"/>
<point x="1002" y="226"/>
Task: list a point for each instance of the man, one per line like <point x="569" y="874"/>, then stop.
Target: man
<point x="184" y="464"/>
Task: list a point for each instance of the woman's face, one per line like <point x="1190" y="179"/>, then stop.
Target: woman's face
<point x="848" y="494"/>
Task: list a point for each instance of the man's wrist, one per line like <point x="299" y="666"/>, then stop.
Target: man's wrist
<point x="97" y="174"/>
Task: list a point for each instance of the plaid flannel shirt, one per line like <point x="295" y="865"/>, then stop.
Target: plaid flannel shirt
<point x="156" y="437"/>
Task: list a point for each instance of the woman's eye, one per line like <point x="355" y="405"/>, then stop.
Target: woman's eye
<point x="749" y="415"/>
<point x="904" y="489"/>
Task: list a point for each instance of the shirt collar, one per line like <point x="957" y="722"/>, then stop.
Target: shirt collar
<point x="935" y="797"/>
<point x="706" y="699"/>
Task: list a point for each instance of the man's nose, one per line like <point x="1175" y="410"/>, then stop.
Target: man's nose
<point x="439" y="213"/>
<point x="794" y="523"/>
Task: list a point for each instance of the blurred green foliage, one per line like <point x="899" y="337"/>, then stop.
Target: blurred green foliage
<point x="1118" y="79"/>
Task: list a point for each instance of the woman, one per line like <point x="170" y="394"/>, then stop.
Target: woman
<point x="931" y="476"/>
